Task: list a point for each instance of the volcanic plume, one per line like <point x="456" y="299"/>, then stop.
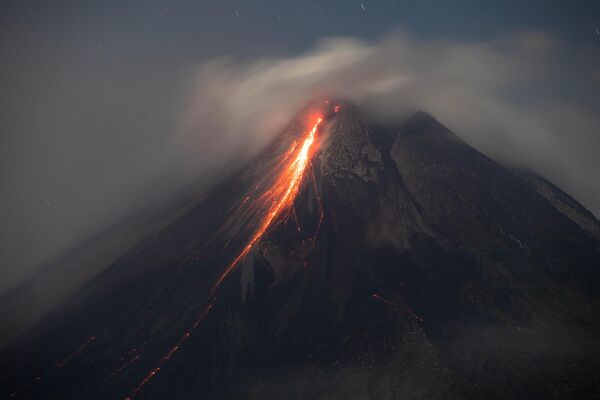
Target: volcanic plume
<point x="347" y="260"/>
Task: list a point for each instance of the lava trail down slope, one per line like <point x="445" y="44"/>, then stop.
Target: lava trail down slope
<point x="347" y="261"/>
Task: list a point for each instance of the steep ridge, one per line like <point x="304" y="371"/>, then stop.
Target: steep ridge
<point x="564" y="203"/>
<point x="411" y="266"/>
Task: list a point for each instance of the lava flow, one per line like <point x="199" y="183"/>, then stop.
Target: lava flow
<point x="279" y="199"/>
<point x="281" y="195"/>
<point x="75" y="353"/>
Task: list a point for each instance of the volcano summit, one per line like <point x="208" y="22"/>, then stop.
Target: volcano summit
<point x="347" y="261"/>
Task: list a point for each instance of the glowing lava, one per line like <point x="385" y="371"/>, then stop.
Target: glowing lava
<point x="279" y="199"/>
<point x="281" y="195"/>
<point x="170" y="353"/>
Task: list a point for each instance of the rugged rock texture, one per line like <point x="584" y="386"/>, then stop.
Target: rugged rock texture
<point x="564" y="203"/>
<point x="414" y="268"/>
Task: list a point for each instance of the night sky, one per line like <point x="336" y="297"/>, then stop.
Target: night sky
<point x="93" y="91"/>
<point x="180" y="30"/>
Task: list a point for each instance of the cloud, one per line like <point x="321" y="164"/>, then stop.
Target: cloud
<point x="92" y="135"/>
<point x="526" y="99"/>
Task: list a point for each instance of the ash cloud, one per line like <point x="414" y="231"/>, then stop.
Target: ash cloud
<point x="526" y="99"/>
<point x="87" y="142"/>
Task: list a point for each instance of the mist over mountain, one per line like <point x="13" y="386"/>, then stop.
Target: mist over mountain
<point x="311" y="199"/>
<point x="96" y="131"/>
<point x="407" y="265"/>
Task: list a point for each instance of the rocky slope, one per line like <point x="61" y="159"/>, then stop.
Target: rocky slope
<point x="414" y="267"/>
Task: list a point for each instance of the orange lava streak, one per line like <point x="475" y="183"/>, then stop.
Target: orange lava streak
<point x="281" y="198"/>
<point x="281" y="195"/>
<point x="58" y="365"/>
<point x="316" y="189"/>
<point x="127" y="364"/>
<point x="170" y="353"/>
<point x="75" y="353"/>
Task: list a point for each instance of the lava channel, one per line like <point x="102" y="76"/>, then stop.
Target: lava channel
<point x="280" y="199"/>
<point x="280" y="196"/>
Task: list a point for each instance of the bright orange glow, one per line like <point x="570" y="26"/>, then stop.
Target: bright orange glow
<point x="281" y="195"/>
<point x="279" y="199"/>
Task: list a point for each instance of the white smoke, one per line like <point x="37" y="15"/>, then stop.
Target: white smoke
<point x="508" y="97"/>
<point x="82" y="150"/>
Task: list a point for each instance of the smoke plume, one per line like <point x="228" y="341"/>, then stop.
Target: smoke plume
<point x="86" y="146"/>
<point x="525" y="99"/>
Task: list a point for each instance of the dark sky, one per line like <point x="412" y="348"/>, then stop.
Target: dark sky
<point x="182" y="29"/>
<point x="91" y="90"/>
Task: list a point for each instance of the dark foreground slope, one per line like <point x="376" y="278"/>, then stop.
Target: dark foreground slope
<point x="414" y="268"/>
<point x="59" y="277"/>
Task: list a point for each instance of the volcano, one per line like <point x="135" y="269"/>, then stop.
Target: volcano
<point x="347" y="261"/>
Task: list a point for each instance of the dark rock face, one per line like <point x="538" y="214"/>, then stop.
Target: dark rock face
<point x="414" y="268"/>
<point x="563" y="203"/>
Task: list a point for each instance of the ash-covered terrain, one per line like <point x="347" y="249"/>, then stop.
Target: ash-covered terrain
<point x="409" y="266"/>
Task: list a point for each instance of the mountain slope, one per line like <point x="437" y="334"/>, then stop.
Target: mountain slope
<point x="58" y="278"/>
<point x="564" y="203"/>
<point x="411" y="266"/>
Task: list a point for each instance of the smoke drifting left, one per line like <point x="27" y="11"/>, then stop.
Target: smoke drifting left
<point x="81" y="165"/>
